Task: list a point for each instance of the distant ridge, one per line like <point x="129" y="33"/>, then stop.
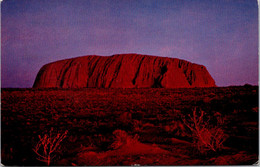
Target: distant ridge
<point x="123" y="71"/>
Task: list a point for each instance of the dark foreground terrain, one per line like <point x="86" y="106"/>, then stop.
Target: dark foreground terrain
<point x="212" y="126"/>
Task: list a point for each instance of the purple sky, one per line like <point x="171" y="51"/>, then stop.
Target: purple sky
<point x="220" y="34"/>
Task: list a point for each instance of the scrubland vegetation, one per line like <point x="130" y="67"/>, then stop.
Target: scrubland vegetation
<point x="200" y="126"/>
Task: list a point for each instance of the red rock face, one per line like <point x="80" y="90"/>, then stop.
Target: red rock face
<point x="123" y="71"/>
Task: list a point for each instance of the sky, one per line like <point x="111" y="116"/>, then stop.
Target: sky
<point x="220" y="34"/>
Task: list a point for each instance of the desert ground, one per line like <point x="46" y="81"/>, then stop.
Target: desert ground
<point x="155" y="126"/>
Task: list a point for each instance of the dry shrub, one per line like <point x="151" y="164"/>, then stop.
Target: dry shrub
<point x="206" y="137"/>
<point x="177" y="128"/>
<point x="101" y="141"/>
<point x="137" y="126"/>
<point x="48" y="144"/>
<point x="122" y="138"/>
<point x="125" y="120"/>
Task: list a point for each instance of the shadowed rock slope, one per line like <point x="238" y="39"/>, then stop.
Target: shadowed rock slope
<point x="123" y="71"/>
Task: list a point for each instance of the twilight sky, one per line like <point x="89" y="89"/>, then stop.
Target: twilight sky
<point x="220" y="34"/>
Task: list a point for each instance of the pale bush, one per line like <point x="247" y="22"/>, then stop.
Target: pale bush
<point x="206" y="137"/>
<point x="48" y="144"/>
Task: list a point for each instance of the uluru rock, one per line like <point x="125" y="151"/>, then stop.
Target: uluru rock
<point x="123" y="71"/>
